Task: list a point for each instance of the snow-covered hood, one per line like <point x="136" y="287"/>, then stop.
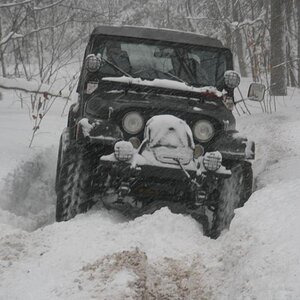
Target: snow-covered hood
<point x="167" y="84"/>
<point x="116" y="101"/>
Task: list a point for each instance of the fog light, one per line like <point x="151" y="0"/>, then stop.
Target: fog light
<point x="212" y="160"/>
<point x="123" y="150"/>
<point x="135" y="142"/>
<point x="232" y="79"/>
<point x="92" y="63"/>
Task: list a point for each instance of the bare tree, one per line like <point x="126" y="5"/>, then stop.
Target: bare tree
<point x="298" y="38"/>
<point x="238" y="39"/>
<point x="278" y="49"/>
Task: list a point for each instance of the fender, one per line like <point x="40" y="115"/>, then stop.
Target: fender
<point x="98" y="131"/>
<point x="234" y="147"/>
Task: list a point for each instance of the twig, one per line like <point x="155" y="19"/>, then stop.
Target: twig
<point x="34" y="91"/>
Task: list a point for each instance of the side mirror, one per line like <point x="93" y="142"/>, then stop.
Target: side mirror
<point x="256" y="92"/>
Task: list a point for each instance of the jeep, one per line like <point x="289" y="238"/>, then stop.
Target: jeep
<point x="153" y="127"/>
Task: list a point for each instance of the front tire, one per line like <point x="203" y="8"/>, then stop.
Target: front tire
<point x="74" y="186"/>
<point x="234" y="192"/>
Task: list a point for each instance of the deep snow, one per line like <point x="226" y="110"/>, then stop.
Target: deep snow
<point x="101" y="255"/>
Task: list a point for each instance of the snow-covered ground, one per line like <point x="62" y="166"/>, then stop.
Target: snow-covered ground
<point x="101" y="255"/>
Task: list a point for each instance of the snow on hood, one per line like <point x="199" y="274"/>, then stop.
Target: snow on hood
<point x="165" y="83"/>
<point x="169" y="130"/>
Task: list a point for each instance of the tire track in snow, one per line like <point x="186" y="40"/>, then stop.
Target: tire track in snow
<point x="27" y="200"/>
<point x="277" y="142"/>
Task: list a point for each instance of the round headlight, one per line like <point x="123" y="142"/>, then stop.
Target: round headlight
<point x="133" y="122"/>
<point x="232" y="79"/>
<point x="203" y="131"/>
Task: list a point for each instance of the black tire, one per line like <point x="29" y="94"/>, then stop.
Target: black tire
<point x="58" y="165"/>
<point x="234" y="192"/>
<point x="64" y="144"/>
<point x="74" y="186"/>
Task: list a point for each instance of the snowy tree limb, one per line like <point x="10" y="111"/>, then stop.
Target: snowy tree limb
<point x="30" y="87"/>
<point x="14" y="35"/>
<point x="8" y="5"/>
<point x="48" y="6"/>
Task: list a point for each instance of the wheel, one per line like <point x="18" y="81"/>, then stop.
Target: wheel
<point x="74" y="186"/>
<point x="58" y="165"/>
<point x="233" y="193"/>
<point x="64" y="144"/>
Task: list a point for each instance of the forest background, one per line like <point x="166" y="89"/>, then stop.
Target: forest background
<point x="40" y="37"/>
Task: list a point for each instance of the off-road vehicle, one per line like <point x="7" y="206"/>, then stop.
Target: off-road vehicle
<point x="153" y="127"/>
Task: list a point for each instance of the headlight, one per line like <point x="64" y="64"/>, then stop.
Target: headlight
<point x="133" y="122"/>
<point x="203" y="131"/>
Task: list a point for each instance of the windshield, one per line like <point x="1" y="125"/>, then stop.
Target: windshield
<point x="148" y="59"/>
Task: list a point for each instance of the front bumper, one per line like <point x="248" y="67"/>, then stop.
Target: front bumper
<point x="139" y="166"/>
<point x="151" y="183"/>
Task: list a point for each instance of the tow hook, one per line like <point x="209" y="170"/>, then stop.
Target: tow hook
<point x="200" y="198"/>
<point x="123" y="191"/>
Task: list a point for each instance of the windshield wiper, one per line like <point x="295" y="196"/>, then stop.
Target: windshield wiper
<point x="170" y="75"/>
<point x="116" y="67"/>
<point x="175" y="77"/>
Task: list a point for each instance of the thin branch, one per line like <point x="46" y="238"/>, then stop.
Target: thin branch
<point x="33" y="91"/>
<point x="48" y="6"/>
<point x="8" y="5"/>
<point x="13" y="35"/>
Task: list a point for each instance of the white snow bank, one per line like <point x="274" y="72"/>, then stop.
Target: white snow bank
<point x="277" y="142"/>
<point x="262" y="247"/>
<point x="61" y="257"/>
<point x="27" y="198"/>
<point x="163" y="254"/>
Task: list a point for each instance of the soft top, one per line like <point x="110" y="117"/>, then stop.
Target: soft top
<point x="168" y="35"/>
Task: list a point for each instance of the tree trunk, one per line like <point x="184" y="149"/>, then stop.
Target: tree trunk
<point x="278" y="48"/>
<point x="228" y="33"/>
<point x="290" y="54"/>
<point x="298" y="54"/>
<point x="239" y="41"/>
<point x="2" y="54"/>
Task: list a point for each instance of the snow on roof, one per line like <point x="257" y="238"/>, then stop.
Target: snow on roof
<point x="165" y="83"/>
